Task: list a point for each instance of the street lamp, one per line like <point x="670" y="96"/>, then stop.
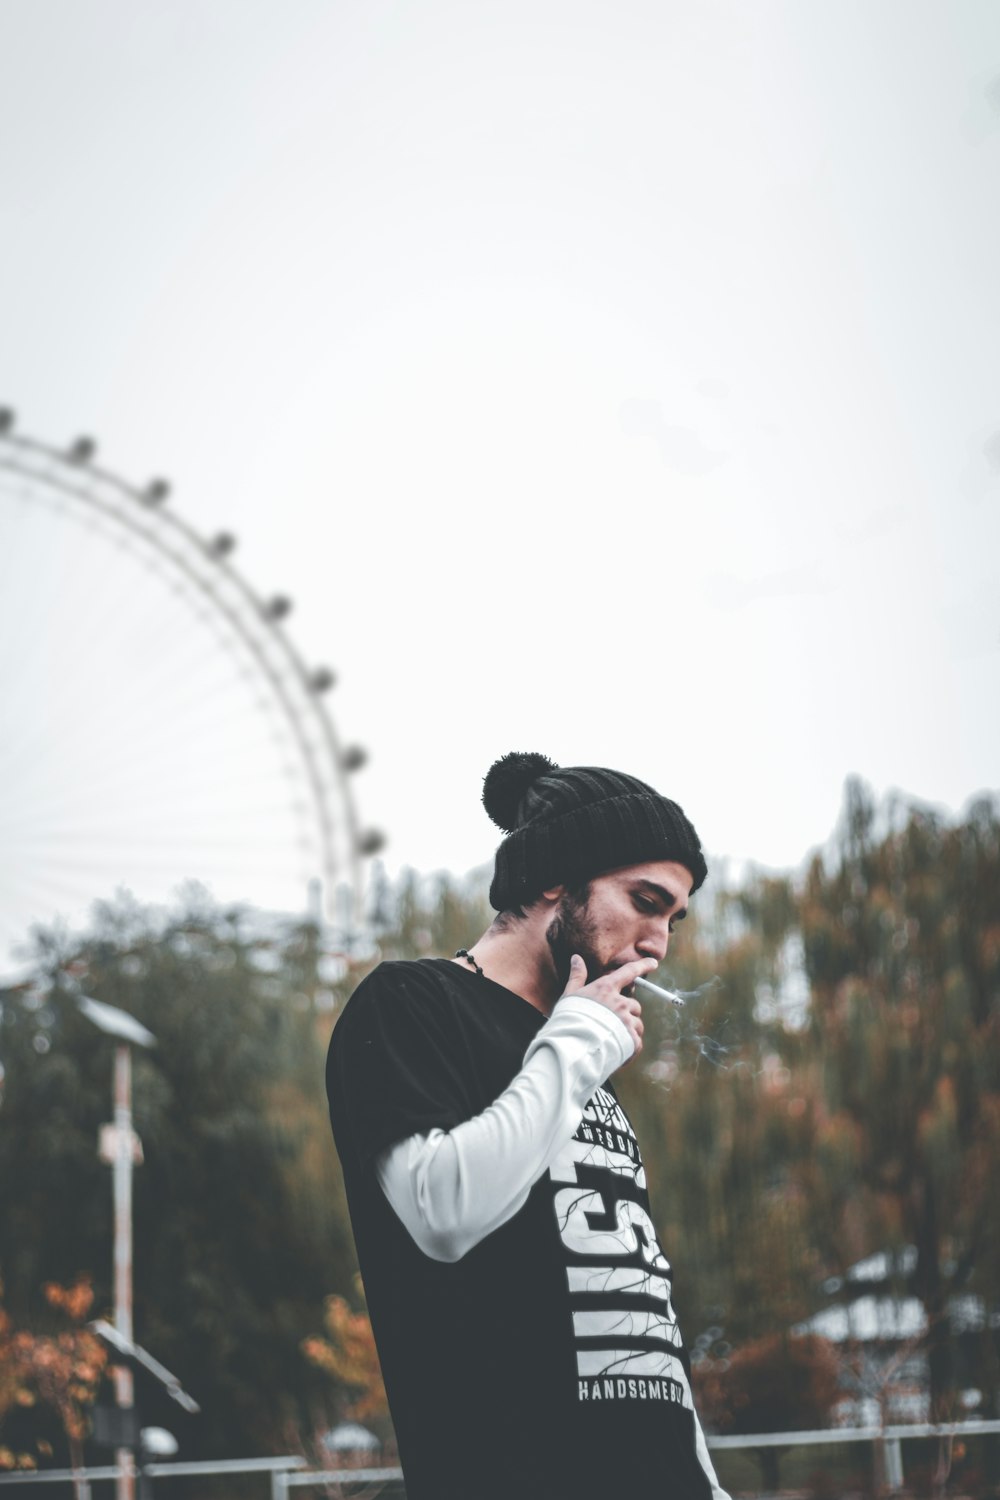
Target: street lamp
<point x="120" y="1147"/>
<point x="152" y="1442"/>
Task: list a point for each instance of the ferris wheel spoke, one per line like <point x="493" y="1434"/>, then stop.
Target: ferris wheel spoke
<point x="111" y="757"/>
<point x="160" y="723"/>
<point x="202" y="685"/>
<point x="73" y="896"/>
<point x="116" y="843"/>
<point x="144" y="746"/>
<point x="111" y="867"/>
<point x="42" y="821"/>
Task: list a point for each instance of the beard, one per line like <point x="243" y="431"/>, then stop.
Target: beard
<point x="572" y="930"/>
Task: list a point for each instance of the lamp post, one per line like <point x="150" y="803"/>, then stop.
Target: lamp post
<point x="120" y="1147"/>
<point x="153" y="1442"/>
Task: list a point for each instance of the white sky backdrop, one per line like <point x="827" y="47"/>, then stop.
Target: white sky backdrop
<point x="613" y="380"/>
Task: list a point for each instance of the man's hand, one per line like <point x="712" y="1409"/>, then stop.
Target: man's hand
<point x="608" y="991"/>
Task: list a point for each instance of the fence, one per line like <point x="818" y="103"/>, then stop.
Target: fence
<point x="888" y="1440"/>
<point x="293" y="1473"/>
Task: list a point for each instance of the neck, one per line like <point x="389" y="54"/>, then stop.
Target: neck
<point x="520" y="959"/>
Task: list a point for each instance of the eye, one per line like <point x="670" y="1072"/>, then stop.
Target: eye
<point x="645" y="903"/>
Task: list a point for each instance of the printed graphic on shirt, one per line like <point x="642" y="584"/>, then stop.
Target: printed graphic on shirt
<point x="624" y="1329"/>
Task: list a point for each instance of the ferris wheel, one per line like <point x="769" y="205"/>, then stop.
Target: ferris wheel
<point x="159" y="725"/>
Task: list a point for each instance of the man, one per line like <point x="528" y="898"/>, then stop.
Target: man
<point x="520" y="1301"/>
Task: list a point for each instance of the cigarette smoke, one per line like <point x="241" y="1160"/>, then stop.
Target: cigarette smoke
<point x="685" y="1043"/>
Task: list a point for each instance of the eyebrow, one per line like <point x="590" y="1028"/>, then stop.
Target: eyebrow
<point x="667" y="897"/>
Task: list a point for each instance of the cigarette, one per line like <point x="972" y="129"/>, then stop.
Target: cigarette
<point x="654" y="991"/>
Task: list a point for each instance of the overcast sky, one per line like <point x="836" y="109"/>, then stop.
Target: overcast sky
<point x="615" y="381"/>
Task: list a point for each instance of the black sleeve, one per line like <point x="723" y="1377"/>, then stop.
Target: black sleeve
<point x="394" y="1066"/>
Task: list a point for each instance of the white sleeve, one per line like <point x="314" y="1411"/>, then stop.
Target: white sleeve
<point x="705" y="1459"/>
<point x="453" y="1188"/>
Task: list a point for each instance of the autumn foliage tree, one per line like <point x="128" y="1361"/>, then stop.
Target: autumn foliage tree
<point x="240" y="1227"/>
<point x="901" y="932"/>
<point x="831" y="1089"/>
<point x="59" y="1371"/>
<point x="773" y="1384"/>
<point x="348" y="1355"/>
<point x="723" y="1128"/>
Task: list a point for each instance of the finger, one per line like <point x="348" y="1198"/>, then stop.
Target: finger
<point x="623" y="1001"/>
<point x="577" y="975"/>
<point x="629" y="972"/>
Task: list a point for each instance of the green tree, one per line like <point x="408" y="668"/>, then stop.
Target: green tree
<point x="831" y="1088"/>
<point x="429" y="916"/>
<point x="240" y="1223"/>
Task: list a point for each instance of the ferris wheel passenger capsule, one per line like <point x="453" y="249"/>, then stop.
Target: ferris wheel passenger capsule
<point x="222" y="544"/>
<point x="82" y="450"/>
<point x="322" y="680"/>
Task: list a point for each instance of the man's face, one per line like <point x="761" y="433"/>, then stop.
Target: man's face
<point x="620" y="916"/>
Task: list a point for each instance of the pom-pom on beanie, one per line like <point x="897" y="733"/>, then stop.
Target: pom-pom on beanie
<point x="566" y="824"/>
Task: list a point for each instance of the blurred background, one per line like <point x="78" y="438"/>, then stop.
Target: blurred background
<point x="387" y="387"/>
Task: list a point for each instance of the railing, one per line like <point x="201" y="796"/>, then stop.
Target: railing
<point x="277" y="1468"/>
<point x="281" y="1484"/>
<point x="292" y="1472"/>
<point x="890" y="1438"/>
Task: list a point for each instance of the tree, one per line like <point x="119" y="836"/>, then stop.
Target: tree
<point x="773" y="1384"/>
<point x="424" y="916"/>
<point x="901" y="930"/>
<point x="722" y="1127"/>
<point x="240" y="1222"/>
<point x="241" y="1225"/>
<point x="831" y="1089"/>
<point x="348" y="1354"/>
<point x="59" y="1370"/>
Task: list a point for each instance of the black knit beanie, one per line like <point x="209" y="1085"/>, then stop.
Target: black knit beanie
<point x="569" y="823"/>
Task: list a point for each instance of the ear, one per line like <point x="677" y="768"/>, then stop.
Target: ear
<point x="553" y="895"/>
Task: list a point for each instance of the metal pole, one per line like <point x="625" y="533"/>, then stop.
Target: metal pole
<point x="893" y="1459"/>
<point x="124" y="1382"/>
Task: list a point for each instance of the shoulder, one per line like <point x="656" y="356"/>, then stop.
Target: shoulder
<point x="401" y="977"/>
<point x="403" y="987"/>
<point x="400" y="1010"/>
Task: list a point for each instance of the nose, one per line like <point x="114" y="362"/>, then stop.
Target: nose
<point x="655" y="941"/>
